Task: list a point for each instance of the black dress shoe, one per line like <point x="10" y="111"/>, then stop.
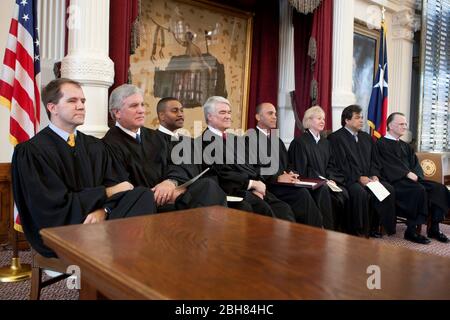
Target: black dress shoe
<point x="439" y="236"/>
<point x="375" y="234"/>
<point x="417" y="238"/>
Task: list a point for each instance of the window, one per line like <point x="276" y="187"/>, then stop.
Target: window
<point x="365" y="48"/>
<point x="434" y="115"/>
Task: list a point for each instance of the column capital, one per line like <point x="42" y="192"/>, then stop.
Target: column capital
<point x="97" y="71"/>
<point x="404" y="3"/>
<point x="404" y="23"/>
<point x="87" y="60"/>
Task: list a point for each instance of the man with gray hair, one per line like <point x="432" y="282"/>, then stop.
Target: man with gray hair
<point x="225" y="154"/>
<point x="144" y="157"/>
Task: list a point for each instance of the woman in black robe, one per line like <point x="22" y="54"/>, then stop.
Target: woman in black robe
<point x="311" y="156"/>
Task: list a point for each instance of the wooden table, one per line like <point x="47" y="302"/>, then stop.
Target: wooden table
<point x="220" y="253"/>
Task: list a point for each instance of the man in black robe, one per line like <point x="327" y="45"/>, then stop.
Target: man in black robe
<point x="144" y="157"/>
<point x="416" y="198"/>
<point x="356" y="157"/>
<point x="225" y="154"/>
<point x="314" y="212"/>
<point x="62" y="176"/>
<point x="170" y="113"/>
<point x="311" y="157"/>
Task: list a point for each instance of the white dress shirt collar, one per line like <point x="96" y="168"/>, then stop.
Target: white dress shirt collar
<point x="351" y="131"/>
<point x="129" y="132"/>
<point x="216" y="131"/>
<point x="265" y="131"/>
<point x="167" y="131"/>
<point x="316" y="138"/>
<point x="388" y="136"/>
<point x="60" y="132"/>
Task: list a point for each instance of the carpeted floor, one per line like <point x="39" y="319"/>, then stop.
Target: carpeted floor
<point x="21" y="290"/>
<point x="435" y="247"/>
<point x="59" y="291"/>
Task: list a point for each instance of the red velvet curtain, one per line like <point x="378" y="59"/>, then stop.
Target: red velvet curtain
<point x="264" y="63"/>
<point x="122" y="16"/>
<point x="319" y="26"/>
<point x="302" y="63"/>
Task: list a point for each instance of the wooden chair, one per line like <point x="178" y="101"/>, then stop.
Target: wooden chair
<point x="433" y="166"/>
<point x="40" y="263"/>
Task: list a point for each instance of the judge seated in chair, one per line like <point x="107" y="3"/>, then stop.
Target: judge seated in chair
<point x="311" y="156"/>
<point x="143" y="155"/>
<point x="311" y="208"/>
<point x="222" y="153"/>
<point x="62" y="176"/>
<point x="416" y="198"/>
<point x="357" y="159"/>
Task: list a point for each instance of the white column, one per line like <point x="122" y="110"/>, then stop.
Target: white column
<point x="51" y="41"/>
<point x="87" y="60"/>
<point x="286" y="77"/>
<point x="342" y="94"/>
<point x="401" y="62"/>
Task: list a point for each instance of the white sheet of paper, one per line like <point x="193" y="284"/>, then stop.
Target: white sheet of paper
<point x="378" y="190"/>
<point x="333" y="187"/>
<point x="306" y="183"/>
<point x="234" y="199"/>
<point x="188" y="183"/>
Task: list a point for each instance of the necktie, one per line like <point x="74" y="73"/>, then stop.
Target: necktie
<point x="356" y="137"/>
<point x="138" y="138"/>
<point x="71" y="140"/>
<point x="224" y="136"/>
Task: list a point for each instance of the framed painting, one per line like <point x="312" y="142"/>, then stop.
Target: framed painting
<point x="365" y="49"/>
<point x="191" y="50"/>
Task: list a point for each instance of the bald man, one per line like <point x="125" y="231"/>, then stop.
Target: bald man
<point x="307" y="210"/>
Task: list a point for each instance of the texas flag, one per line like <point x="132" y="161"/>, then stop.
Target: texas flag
<point x="378" y="105"/>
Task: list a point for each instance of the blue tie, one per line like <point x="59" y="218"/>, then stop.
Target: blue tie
<point x="138" y="138"/>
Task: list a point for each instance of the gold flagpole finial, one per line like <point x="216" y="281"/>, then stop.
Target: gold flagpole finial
<point x="383" y="10"/>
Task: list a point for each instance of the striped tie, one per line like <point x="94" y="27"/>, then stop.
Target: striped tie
<point x="71" y="140"/>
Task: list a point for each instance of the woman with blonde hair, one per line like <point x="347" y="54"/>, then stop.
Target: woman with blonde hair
<point x="311" y="156"/>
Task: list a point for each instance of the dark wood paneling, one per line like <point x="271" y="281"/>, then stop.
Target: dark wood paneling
<point x="5" y="200"/>
<point x="6" y="208"/>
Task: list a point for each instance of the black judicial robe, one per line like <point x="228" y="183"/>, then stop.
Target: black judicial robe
<point x="315" y="212"/>
<point x="234" y="177"/>
<point x="413" y="199"/>
<point x="149" y="163"/>
<point x="55" y="184"/>
<point x="356" y="159"/>
<point x="188" y="169"/>
<point x="312" y="159"/>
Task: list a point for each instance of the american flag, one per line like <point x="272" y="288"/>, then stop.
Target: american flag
<point x="378" y="105"/>
<point x="20" y="77"/>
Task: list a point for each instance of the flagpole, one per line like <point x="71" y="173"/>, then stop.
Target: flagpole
<point x="16" y="271"/>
